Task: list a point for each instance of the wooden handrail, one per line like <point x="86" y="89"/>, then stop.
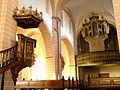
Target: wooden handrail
<point x="18" y="57"/>
<point x="23" y="51"/>
<point x="48" y="84"/>
<point x="98" y="57"/>
<point x="7" y="49"/>
<point x="112" y="82"/>
<point x="39" y="84"/>
<point x="7" y="56"/>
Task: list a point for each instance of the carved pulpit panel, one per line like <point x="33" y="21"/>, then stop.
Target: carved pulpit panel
<point x="26" y="47"/>
<point x="25" y="55"/>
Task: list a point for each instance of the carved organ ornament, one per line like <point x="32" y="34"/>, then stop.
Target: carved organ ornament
<point x="95" y="26"/>
<point x="95" y="30"/>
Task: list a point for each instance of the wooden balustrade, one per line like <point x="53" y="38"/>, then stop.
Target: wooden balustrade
<point x="18" y="57"/>
<point x="98" y="57"/>
<point x="8" y="56"/>
<point x="20" y="54"/>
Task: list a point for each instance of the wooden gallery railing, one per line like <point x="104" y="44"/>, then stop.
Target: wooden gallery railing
<point x="98" y="57"/>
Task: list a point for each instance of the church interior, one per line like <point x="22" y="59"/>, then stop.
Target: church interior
<point x="59" y="44"/>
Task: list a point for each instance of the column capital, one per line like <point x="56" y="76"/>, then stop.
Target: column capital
<point x="56" y="18"/>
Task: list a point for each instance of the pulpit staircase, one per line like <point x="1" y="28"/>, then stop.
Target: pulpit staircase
<point x="17" y="57"/>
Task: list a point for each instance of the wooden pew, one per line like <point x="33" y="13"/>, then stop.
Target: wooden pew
<point x="37" y="84"/>
<point x="47" y="84"/>
<point x="105" y="82"/>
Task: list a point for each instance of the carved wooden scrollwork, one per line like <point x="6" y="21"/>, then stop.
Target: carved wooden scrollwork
<point x="25" y="55"/>
<point x="27" y="18"/>
<point x="15" y="70"/>
<point x="95" y="26"/>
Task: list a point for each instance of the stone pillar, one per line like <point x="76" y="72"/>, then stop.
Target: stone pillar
<point x="59" y="47"/>
<point x="72" y="71"/>
<point x="116" y="7"/>
<point x="7" y="24"/>
<point x="8" y="82"/>
<point x="56" y="46"/>
<point x="7" y="34"/>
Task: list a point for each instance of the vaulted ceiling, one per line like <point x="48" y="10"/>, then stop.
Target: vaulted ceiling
<point x="78" y="10"/>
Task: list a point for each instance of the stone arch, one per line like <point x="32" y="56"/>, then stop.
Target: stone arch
<point x="60" y="4"/>
<point x="40" y="51"/>
<point x="38" y="70"/>
<point x="59" y="9"/>
<point x="70" y="51"/>
<point x="37" y="35"/>
<point x="46" y="35"/>
<point x="47" y="38"/>
<point x="49" y="49"/>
